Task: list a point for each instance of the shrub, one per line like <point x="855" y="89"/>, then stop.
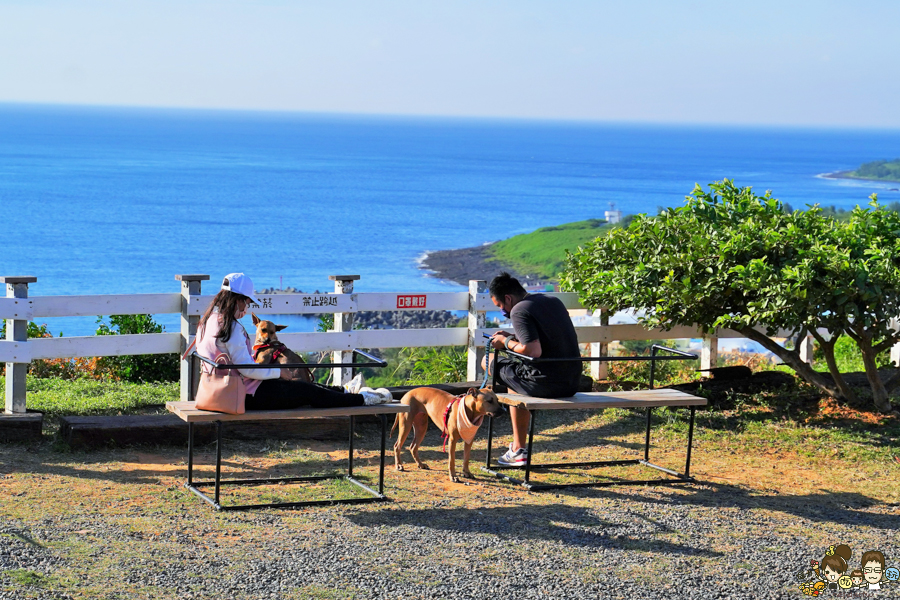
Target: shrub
<point x="437" y="365"/>
<point x="143" y="367"/>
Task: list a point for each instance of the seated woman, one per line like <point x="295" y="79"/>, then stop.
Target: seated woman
<point x="220" y="329"/>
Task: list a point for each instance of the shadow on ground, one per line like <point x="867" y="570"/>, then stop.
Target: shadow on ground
<point x="845" y="508"/>
<point x="568" y="524"/>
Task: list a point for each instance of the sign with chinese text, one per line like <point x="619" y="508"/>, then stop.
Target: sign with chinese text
<point x="411" y="300"/>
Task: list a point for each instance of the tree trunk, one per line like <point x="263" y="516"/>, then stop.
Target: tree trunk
<point x="879" y="393"/>
<point x="828" y="350"/>
<point x="792" y="359"/>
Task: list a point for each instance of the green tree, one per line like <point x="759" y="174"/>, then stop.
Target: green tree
<point x="733" y="260"/>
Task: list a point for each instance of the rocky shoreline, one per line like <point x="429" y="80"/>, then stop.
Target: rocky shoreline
<point x="463" y="264"/>
<point x="459" y="266"/>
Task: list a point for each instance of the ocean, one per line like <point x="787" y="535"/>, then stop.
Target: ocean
<point x="120" y="200"/>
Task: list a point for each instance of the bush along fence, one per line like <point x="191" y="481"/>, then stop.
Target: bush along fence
<point x="18" y="308"/>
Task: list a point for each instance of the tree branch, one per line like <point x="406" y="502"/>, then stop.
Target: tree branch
<point x="792" y="359"/>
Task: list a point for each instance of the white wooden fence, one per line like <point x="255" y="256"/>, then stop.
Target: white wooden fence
<point x="18" y="308"/>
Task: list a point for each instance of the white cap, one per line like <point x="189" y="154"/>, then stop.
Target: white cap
<point x="239" y="284"/>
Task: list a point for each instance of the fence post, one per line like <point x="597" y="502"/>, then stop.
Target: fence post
<point x="475" y="347"/>
<point x="806" y="349"/>
<point x="343" y="284"/>
<point x="600" y="369"/>
<point x="895" y="349"/>
<point x="16" y="331"/>
<point x="190" y="372"/>
<point x="709" y="355"/>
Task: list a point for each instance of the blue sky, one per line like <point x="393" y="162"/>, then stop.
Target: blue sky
<point x="762" y="62"/>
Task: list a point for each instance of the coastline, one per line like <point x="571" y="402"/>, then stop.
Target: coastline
<point x="463" y="264"/>
<point x="847" y="175"/>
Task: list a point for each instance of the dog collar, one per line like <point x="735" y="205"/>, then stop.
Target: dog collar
<point x="260" y="347"/>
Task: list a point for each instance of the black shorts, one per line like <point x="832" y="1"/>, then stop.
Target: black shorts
<point x="526" y="379"/>
<point x="282" y="394"/>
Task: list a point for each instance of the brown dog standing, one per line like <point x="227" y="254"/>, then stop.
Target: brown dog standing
<point x="268" y="349"/>
<point x="425" y="402"/>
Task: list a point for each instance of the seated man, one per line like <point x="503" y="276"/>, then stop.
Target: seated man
<point x="543" y="329"/>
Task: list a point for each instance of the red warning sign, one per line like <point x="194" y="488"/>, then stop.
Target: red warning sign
<point x="411" y="301"/>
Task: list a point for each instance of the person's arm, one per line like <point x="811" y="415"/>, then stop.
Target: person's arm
<point x="532" y="349"/>
<point x="236" y="348"/>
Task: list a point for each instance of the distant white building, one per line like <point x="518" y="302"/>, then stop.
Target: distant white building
<point x="612" y="216"/>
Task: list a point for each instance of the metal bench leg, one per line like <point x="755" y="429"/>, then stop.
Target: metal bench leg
<point x="383" y="442"/>
<point x="530" y="444"/>
<point x="687" y="464"/>
<point x="218" y="460"/>
<point x="647" y="436"/>
<point x="487" y="461"/>
<point x="190" y="480"/>
<point x="350" y="456"/>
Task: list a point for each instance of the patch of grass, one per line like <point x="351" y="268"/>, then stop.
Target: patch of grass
<point x="27" y="578"/>
<point x="88" y="397"/>
<point x="315" y="592"/>
<point x="543" y="252"/>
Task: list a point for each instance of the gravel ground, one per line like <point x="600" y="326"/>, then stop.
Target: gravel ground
<point x="118" y="524"/>
<point x="699" y="542"/>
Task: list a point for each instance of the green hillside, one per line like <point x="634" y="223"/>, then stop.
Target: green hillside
<point x="543" y="252"/>
<point x="881" y="170"/>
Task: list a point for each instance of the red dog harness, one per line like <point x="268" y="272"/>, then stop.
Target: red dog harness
<point x="260" y="347"/>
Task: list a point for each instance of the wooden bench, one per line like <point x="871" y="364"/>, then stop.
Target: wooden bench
<point x="188" y="412"/>
<point x="645" y="399"/>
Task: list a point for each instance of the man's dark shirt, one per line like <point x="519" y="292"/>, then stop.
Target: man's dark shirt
<point x="545" y="318"/>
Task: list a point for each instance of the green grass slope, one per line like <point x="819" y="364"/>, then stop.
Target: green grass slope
<point x="879" y="170"/>
<point x="543" y="252"/>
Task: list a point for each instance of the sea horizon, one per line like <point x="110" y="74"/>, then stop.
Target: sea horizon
<point x="448" y="117"/>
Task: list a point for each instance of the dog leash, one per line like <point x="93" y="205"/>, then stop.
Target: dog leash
<point x="487" y="361"/>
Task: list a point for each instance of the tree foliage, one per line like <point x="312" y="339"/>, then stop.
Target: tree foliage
<point x="734" y="260"/>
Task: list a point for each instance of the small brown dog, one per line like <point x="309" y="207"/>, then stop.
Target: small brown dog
<point x="268" y="349"/>
<point x="444" y="409"/>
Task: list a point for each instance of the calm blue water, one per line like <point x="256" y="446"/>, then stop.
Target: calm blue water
<point x="120" y="200"/>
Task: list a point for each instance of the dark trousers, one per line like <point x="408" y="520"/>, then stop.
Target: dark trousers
<point x="281" y="394"/>
<point x="525" y="379"/>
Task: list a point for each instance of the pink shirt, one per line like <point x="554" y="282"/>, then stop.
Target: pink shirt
<point x="238" y="349"/>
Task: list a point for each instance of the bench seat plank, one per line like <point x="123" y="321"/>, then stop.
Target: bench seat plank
<point x="188" y="412"/>
<point x="628" y="399"/>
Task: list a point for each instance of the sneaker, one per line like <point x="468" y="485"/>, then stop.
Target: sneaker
<point x="371" y="397"/>
<point x="514" y="459"/>
<point x="355" y="384"/>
